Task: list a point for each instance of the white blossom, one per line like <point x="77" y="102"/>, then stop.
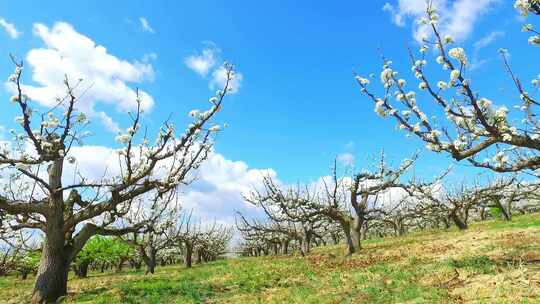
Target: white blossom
<point x="484" y="102"/>
<point x="442" y="85"/>
<point x="459" y="144"/>
<point x="454" y="75"/>
<point x="362" y="80"/>
<point x="522" y="6"/>
<point x="440" y="60"/>
<point x="214" y="128"/>
<point x="195" y="113"/>
<point x="448" y="39"/>
<point x="458" y="54"/>
<point x="123" y="138"/>
<point x="52" y="123"/>
<point x="387" y="77"/>
<point x="534" y="40"/>
<point x="501" y="158"/>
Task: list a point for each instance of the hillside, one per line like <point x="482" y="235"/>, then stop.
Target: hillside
<point x="492" y="262"/>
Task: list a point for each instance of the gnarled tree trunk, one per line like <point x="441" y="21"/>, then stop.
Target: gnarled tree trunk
<point x="458" y="221"/>
<point x="51" y="281"/>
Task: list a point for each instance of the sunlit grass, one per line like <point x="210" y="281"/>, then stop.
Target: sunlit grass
<point x="492" y="262"/>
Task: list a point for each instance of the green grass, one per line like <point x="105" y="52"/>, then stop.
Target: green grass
<point x="422" y="267"/>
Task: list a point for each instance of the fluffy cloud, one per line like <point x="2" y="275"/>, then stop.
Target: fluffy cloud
<point x="145" y="25"/>
<point x="203" y="62"/>
<point x="10" y="28"/>
<point x="105" y="77"/>
<point x="216" y="193"/>
<point x="457" y="17"/>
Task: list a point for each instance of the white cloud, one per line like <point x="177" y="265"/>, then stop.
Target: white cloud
<point x="488" y="39"/>
<point x="10" y="28"/>
<point x="105" y="76"/>
<point x="216" y="194"/>
<point x="219" y="79"/>
<point x="202" y="63"/>
<point x="457" y="18"/>
<point x="207" y="60"/>
<point x="346" y="159"/>
<point x="145" y="25"/>
<point x="481" y="44"/>
<point x="149" y="57"/>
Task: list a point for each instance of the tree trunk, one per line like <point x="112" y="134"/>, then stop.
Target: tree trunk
<point x="24" y="274"/>
<point x="188" y="255"/>
<point x="199" y="257"/>
<point x="81" y="270"/>
<point x="149" y="258"/>
<point x="275" y="248"/>
<point x="459" y="223"/>
<point x="285" y="246"/>
<point x="355" y="238"/>
<point x="304" y="245"/>
<point x="120" y="265"/>
<point x="504" y="211"/>
<point x="346" y="226"/>
<point x="51" y="281"/>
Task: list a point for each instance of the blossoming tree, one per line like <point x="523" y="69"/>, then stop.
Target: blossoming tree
<point x="474" y="124"/>
<point x="354" y="203"/>
<point x="40" y="193"/>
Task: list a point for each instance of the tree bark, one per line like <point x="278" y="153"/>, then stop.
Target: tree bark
<point x="505" y="211"/>
<point x="149" y="258"/>
<point x="285" y="246"/>
<point x="81" y="270"/>
<point x="459" y="222"/>
<point x="51" y="281"/>
<point x="188" y="255"/>
<point x="120" y="264"/>
<point x="199" y="257"/>
<point x="356" y="236"/>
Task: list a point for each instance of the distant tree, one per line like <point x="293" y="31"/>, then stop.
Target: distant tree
<point x="355" y="202"/>
<point x="162" y="232"/>
<point x="287" y="211"/>
<point x="35" y="193"/>
<point x="457" y="204"/>
<point x="104" y="251"/>
<point x="27" y="262"/>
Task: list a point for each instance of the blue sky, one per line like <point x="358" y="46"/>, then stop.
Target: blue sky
<point x="298" y="106"/>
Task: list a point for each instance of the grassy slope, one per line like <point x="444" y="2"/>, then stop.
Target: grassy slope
<point x="492" y="262"/>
